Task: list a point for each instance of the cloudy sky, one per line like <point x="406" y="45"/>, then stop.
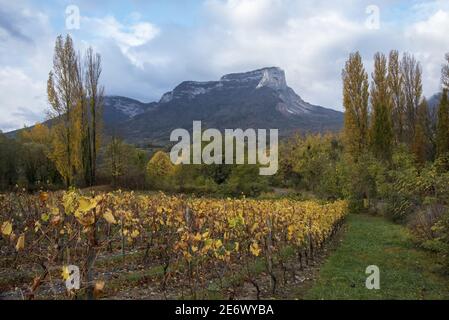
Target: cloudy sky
<point x="148" y="47"/>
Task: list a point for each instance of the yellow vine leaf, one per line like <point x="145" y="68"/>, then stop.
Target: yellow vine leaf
<point x="254" y="248"/>
<point x="6" y="228"/>
<point x="54" y="211"/>
<point x="68" y="201"/>
<point x="135" y="234"/>
<point x="86" y="204"/>
<point x="109" y="217"/>
<point x="45" y="217"/>
<point x="197" y="237"/>
<point x="20" y="242"/>
<point x="65" y="273"/>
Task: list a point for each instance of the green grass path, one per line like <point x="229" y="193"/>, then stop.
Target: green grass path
<point x="405" y="271"/>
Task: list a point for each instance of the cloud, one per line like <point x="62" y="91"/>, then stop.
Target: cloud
<point x="20" y="95"/>
<point x="429" y="42"/>
<point x="432" y="30"/>
<point x="125" y="37"/>
<point x="143" y="59"/>
<point x="9" y="28"/>
<point x="25" y="53"/>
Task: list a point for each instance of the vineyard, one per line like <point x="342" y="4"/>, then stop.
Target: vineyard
<point x="176" y="246"/>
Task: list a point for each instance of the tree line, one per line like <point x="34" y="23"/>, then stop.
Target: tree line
<point x="392" y="156"/>
<point x="392" y="110"/>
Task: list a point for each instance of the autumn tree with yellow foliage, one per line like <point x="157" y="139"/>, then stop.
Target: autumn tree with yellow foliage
<point x="62" y="96"/>
<point x="75" y="132"/>
<point x="395" y="86"/>
<point x="160" y="169"/>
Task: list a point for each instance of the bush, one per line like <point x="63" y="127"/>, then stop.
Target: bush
<point x="423" y="221"/>
<point x="245" y="180"/>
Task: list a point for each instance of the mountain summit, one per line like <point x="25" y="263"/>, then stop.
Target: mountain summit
<point x="267" y="77"/>
<point x="259" y="99"/>
<point x="273" y="78"/>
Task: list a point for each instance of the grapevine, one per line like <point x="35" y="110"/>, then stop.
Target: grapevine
<point x="193" y="239"/>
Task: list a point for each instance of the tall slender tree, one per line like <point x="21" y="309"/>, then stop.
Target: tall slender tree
<point x="442" y="134"/>
<point x="412" y="76"/>
<point x="83" y="132"/>
<point x="62" y="95"/>
<point x="95" y="97"/>
<point x="355" y="102"/>
<point x="381" y="131"/>
<point x="422" y="141"/>
<point x="395" y="84"/>
<point x="445" y="73"/>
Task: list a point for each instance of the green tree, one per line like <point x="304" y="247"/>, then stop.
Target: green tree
<point x="35" y="161"/>
<point x="9" y="169"/>
<point x="442" y="134"/>
<point x="421" y="141"/>
<point x="123" y="164"/>
<point x="315" y="162"/>
<point x="245" y="180"/>
<point x="381" y="130"/>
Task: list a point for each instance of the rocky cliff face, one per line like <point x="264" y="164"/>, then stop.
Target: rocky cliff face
<point x="273" y="78"/>
<point x="254" y="99"/>
<point x="118" y="109"/>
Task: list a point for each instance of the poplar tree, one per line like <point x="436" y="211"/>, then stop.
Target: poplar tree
<point x="62" y="94"/>
<point x="355" y="102"/>
<point x="76" y="98"/>
<point x="445" y="73"/>
<point x="381" y="131"/>
<point x="412" y="86"/>
<point x="82" y="127"/>
<point x="395" y="84"/>
<point x="421" y="141"/>
<point x="442" y="134"/>
<point x="95" y="100"/>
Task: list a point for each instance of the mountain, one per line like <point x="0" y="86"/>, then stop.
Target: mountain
<point x="434" y="101"/>
<point x="116" y="110"/>
<point x="119" y="109"/>
<point x="259" y="99"/>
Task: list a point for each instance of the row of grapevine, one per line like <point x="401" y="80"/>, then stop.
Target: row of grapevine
<point x="198" y="239"/>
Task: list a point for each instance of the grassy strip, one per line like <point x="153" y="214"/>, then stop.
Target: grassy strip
<point x="406" y="272"/>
